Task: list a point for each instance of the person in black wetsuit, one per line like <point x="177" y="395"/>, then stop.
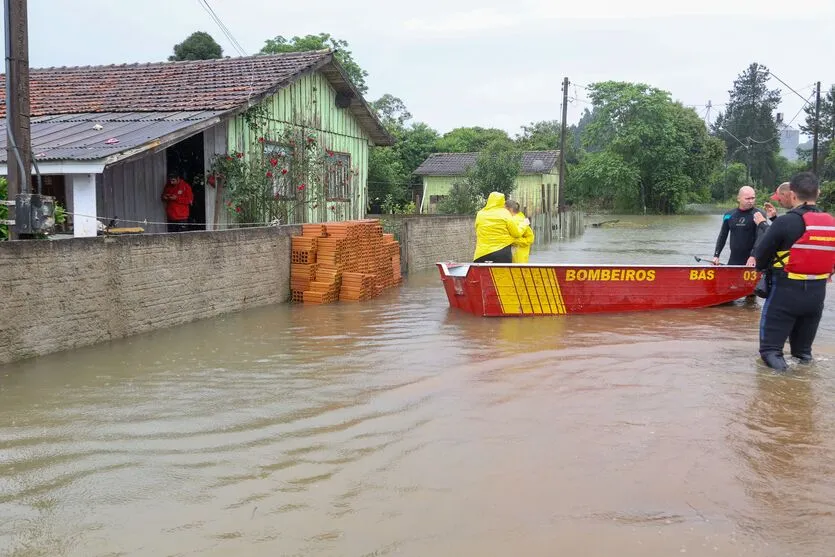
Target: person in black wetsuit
<point x="800" y="265"/>
<point x="740" y="224"/>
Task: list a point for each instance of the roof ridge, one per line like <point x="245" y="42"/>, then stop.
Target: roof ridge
<point x="163" y="63"/>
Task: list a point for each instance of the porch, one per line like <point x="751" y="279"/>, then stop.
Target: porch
<point x="111" y="168"/>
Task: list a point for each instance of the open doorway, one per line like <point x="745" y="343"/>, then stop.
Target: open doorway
<point x="186" y="159"/>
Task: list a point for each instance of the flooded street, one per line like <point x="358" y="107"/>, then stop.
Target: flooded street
<point x="400" y="427"/>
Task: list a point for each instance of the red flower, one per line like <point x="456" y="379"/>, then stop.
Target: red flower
<point x="211" y="180"/>
<point x="301" y="188"/>
<point x="237" y="209"/>
<point x="274" y="162"/>
<point x="269" y="174"/>
<point x="228" y="158"/>
<point x="284" y="171"/>
<point x="239" y="155"/>
<point x="260" y="140"/>
<point x="330" y="153"/>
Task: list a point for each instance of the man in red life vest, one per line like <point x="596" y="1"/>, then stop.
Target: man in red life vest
<point x="799" y="251"/>
<point x="178" y="198"/>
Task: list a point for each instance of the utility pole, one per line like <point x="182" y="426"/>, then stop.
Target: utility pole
<point x="19" y="155"/>
<point x="561" y="200"/>
<point x="816" y="129"/>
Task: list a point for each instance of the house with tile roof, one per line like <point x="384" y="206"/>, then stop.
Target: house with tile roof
<point x="539" y="175"/>
<point x="105" y="137"/>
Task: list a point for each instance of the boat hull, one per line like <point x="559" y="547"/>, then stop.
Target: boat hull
<point x="496" y="290"/>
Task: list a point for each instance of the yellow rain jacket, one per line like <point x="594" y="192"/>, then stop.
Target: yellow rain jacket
<point x="522" y="246"/>
<point x="494" y="227"/>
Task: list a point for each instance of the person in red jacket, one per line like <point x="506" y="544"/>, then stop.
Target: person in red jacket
<point x="178" y="198"/>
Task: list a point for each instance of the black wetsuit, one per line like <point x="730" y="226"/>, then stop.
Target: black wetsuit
<point x="740" y="225"/>
<point x="793" y="308"/>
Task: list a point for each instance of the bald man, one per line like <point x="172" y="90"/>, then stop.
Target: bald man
<point x="783" y="198"/>
<point x="742" y="228"/>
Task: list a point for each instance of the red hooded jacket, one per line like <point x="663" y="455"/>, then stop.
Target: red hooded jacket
<point x="177" y="197"/>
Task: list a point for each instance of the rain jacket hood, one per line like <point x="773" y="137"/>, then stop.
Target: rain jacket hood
<point x="495" y="227"/>
<point x="522" y="245"/>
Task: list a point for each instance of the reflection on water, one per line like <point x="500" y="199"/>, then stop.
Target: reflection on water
<point x="399" y="426"/>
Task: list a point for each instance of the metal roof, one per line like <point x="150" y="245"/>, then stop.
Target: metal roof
<point x="77" y="137"/>
<point x="456" y="164"/>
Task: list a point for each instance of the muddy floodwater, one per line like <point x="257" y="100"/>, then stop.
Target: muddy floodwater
<point x="401" y="427"/>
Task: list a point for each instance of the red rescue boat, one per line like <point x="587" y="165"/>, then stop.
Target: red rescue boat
<point x="494" y="290"/>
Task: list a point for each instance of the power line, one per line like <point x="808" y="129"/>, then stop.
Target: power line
<point x="225" y="30"/>
<point x="786" y="84"/>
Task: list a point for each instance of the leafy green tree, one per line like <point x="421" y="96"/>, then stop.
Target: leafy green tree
<point x="390" y="168"/>
<point x="470" y="140"/>
<point x="198" y="46"/>
<point x="748" y="127"/>
<point x="660" y="152"/>
<point x="545" y="136"/>
<point x="392" y="112"/>
<point x="605" y="180"/>
<point x="726" y="181"/>
<point x="496" y="168"/>
<point x="321" y="41"/>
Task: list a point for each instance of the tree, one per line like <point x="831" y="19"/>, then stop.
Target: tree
<point x="826" y="127"/>
<point x="198" y="46"/>
<point x="392" y="112"/>
<point x="390" y="168"/>
<point x="545" y="136"/>
<point x="748" y="127"/>
<point x="322" y="41"/>
<point x="496" y="168"/>
<point x="470" y="140"/>
<point x="606" y="180"/>
<point x="660" y="153"/>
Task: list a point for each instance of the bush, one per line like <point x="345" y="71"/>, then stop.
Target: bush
<point x="463" y="199"/>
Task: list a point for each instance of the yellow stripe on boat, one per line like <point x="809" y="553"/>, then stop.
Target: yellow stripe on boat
<point x="528" y="290"/>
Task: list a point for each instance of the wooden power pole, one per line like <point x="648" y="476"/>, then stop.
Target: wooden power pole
<point x="19" y="154"/>
<point x="816" y="129"/>
<point x="561" y="200"/>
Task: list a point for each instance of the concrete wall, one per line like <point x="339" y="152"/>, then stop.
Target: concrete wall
<point x="62" y="294"/>
<point x="428" y="239"/>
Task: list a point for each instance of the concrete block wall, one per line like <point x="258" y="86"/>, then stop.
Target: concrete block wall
<point x="63" y="294"/>
<point x="428" y="239"/>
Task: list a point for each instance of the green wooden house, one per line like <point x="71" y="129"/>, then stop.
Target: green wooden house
<point x="539" y="176"/>
<point x="106" y="137"/>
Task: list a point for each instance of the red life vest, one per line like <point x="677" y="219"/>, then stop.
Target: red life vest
<point x="812" y="256"/>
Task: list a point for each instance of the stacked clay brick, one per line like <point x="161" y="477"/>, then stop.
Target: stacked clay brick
<point x="351" y="261"/>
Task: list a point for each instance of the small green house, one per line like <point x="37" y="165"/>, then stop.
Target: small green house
<point x="539" y="176"/>
<point x="279" y="138"/>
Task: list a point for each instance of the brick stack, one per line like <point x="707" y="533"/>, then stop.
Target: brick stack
<point x="351" y="261"/>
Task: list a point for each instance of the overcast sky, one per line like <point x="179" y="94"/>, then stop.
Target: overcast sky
<point x="480" y="62"/>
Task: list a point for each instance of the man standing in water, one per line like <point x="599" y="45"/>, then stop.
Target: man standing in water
<point x="739" y="223"/>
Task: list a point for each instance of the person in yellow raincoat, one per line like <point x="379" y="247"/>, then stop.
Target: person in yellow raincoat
<point x="522" y="246"/>
<point x="495" y="231"/>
